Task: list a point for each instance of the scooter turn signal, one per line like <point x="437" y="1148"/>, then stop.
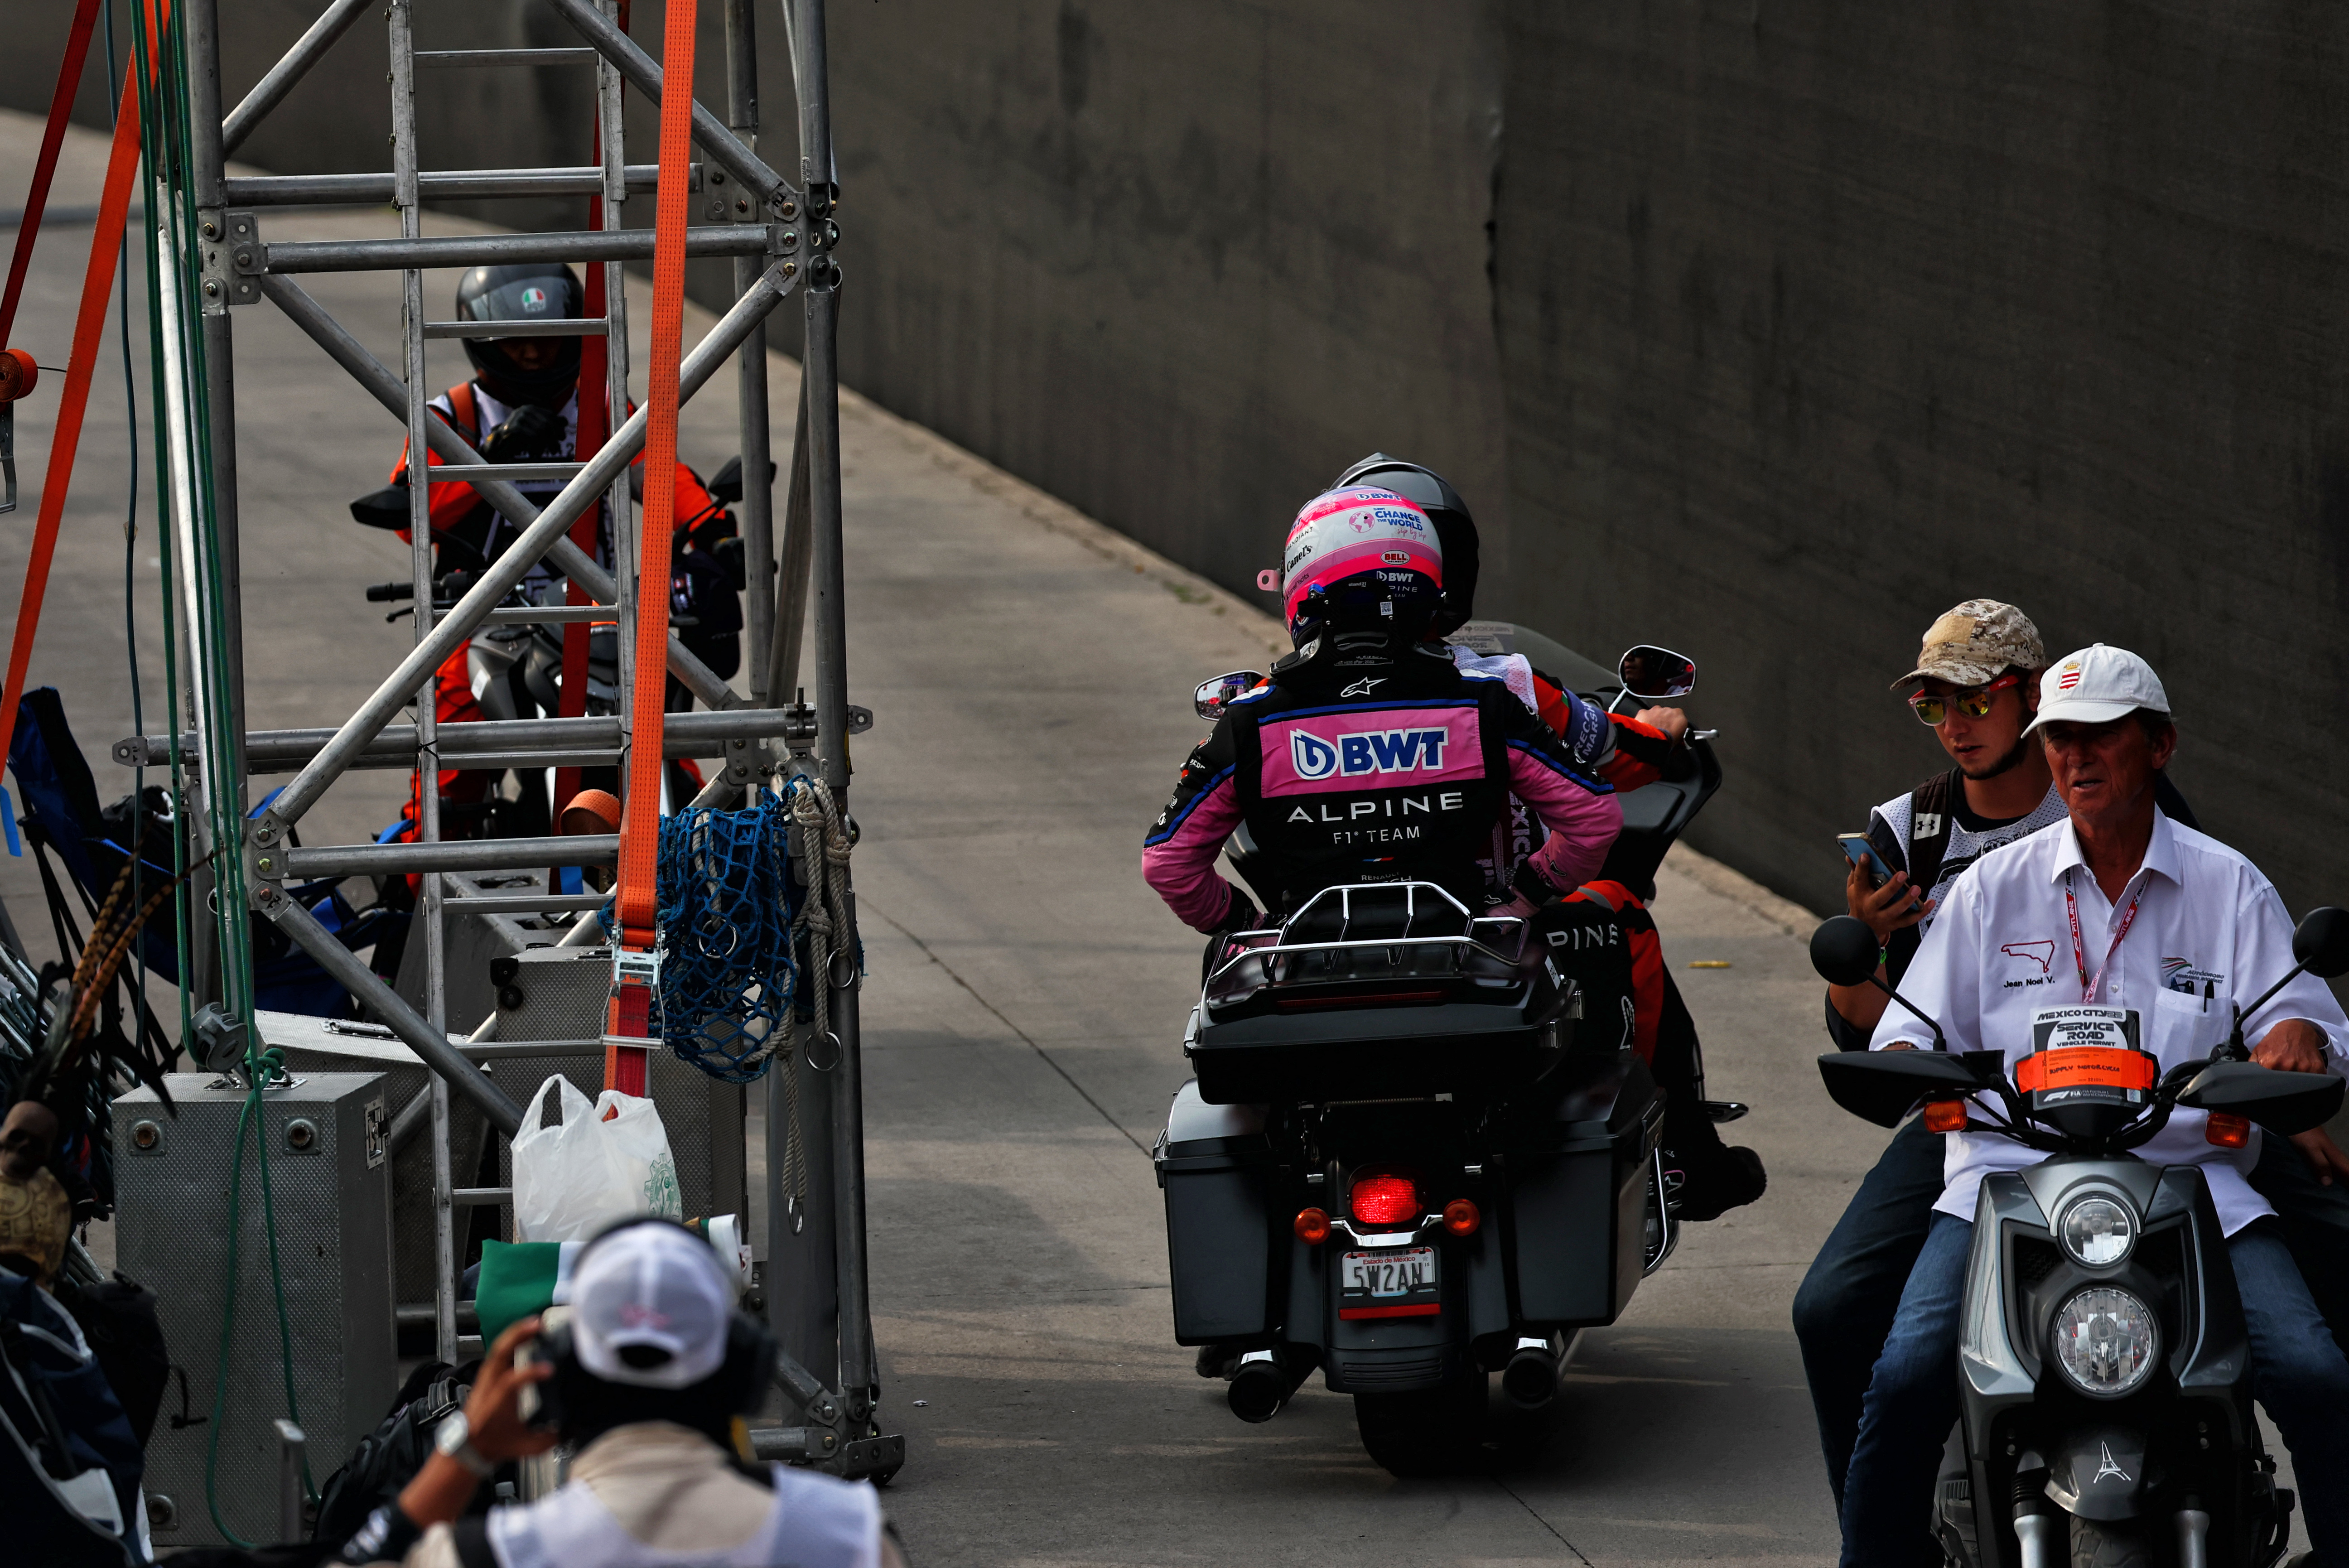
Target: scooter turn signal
<point x="2226" y="1131"/>
<point x="1945" y="1116"/>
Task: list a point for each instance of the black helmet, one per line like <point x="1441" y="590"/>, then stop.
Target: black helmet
<point x="1455" y="529"/>
<point x="521" y="292"/>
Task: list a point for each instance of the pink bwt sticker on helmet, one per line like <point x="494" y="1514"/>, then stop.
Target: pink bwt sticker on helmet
<point x="1380" y="749"/>
<point x="1347" y="533"/>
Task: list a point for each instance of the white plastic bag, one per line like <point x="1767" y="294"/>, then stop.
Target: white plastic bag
<point x="609" y="1159"/>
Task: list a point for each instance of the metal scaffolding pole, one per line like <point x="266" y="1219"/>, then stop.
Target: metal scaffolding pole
<point x="781" y="238"/>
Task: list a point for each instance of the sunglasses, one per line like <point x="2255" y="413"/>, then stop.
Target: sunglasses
<point x="1973" y="704"/>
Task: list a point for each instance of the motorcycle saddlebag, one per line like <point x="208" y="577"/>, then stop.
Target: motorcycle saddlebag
<point x="1579" y="1145"/>
<point x="1215" y="1163"/>
<point x="1448" y="1048"/>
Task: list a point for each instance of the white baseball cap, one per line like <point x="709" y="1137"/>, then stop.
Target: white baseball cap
<point x="2095" y="686"/>
<point x="649" y="1307"/>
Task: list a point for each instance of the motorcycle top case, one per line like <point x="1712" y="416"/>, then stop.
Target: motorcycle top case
<point x="1469" y="1007"/>
<point x="1578" y="1148"/>
<point x="1215" y="1163"/>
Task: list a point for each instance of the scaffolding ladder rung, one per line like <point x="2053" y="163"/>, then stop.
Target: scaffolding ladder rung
<point x="555" y="57"/>
<point x="285" y="256"/>
<point x="450" y="855"/>
<point x="521" y="473"/>
<point x="554" y="615"/>
<point x="480" y="1197"/>
<point x="446" y="184"/>
<point x="553" y="327"/>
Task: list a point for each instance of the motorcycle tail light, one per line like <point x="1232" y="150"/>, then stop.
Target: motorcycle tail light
<point x="2226" y="1131"/>
<point x="1459" y="1217"/>
<point x="1313" y="1227"/>
<point x="1385" y="1199"/>
<point x="1945" y="1116"/>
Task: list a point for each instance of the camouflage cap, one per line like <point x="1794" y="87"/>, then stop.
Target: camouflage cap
<point x="1977" y="642"/>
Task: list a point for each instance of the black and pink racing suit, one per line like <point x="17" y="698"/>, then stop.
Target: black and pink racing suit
<point x="1373" y="770"/>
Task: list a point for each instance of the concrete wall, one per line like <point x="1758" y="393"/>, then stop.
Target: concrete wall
<point x="1766" y="330"/>
<point x="1818" y="317"/>
<point x="1178" y="264"/>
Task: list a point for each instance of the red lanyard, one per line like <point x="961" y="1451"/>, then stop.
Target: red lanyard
<point x="2088" y="987"/>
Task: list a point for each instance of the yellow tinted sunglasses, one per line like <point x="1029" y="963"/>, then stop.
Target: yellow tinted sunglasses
<point x="1974" y="703"/>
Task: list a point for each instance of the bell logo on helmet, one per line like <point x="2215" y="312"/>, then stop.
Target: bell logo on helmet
<point x="534" y="299"/>
<point x="1395" y="557"/>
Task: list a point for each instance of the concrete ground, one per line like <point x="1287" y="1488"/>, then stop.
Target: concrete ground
<point x="1031" y="676"/>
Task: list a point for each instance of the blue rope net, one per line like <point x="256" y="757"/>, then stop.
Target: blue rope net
<point x="727" y="904"/>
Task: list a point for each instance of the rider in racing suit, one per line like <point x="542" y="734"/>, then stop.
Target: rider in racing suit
<point x="1370" y="756"/>
<point x="1601" y="932"/>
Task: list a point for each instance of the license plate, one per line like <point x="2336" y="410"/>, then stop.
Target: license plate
<point x="1388" y="1282"/>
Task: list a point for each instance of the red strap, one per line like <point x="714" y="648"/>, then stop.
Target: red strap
<point x="52" y="139"/>
<point x="90" y="328"/>
<point x="637" y="904"/>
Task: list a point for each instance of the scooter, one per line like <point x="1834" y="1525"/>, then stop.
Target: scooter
<point x="2103" y="1374"/>
<point x="1395" y="1163"/>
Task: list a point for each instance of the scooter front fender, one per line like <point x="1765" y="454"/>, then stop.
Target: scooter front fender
<point x="2098" y="1472"/>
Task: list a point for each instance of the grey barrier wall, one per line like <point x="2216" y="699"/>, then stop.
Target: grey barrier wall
<point x="1767" y="331"/>
<point x="1818" y="317"/>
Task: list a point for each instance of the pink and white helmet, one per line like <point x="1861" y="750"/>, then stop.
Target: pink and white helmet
<point x="1360" y="533"/>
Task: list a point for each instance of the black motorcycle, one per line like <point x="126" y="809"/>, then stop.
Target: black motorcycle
<point x="1395" y="1163"/>
<point x="2104" y="1371"/>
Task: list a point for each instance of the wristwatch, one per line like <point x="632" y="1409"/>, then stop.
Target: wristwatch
<point x="454" y="1437"/>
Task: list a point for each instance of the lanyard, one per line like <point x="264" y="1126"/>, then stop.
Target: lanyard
<point x="2089" y="987"/>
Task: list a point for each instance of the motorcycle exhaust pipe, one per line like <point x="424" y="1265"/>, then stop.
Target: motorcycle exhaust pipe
<point x="1261" y="1386"/>
<point x="1530" y="1379"/>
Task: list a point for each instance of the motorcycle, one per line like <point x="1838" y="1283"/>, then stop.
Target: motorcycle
<point x="1395" y="1163"/>
<point x="2104" y="1377"/>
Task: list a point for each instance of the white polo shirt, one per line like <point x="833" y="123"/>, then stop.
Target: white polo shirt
<point x="2002" y="947"/>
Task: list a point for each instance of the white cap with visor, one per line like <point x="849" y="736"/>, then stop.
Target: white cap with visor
<point x="2097" y="685"/>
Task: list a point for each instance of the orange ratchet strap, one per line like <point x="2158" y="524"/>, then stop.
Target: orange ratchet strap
<point x="90" y="326"/>
<point x="2086" y="1066"/>
<point x="638" y="906"/>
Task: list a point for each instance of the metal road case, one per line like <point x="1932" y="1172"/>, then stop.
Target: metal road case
<point x="331" y="1187"/>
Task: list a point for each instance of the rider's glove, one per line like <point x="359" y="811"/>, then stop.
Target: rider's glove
<point x="529" y="432"/>
<point x="1242" y="916"/>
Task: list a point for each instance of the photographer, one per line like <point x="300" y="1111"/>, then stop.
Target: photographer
<point x="646" y="1381"/>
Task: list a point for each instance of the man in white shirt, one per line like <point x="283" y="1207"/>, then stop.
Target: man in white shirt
<point x="2119" y="906"/>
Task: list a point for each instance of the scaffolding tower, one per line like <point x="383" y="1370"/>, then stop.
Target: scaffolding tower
<point x="212" y="256"/>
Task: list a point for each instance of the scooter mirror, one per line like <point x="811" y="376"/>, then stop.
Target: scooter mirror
<point x="1213" y="694"/>
<point x="1844" y="952"/>
<point x="1656" y="674"/>
<point x="2320" y="942"/>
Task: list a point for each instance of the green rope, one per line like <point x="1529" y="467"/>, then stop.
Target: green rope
<point x="194" y="545"/>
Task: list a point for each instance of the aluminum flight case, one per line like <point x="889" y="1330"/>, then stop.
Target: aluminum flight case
<point x="1214" y="1165"/>
<point x="330" y="1189"/>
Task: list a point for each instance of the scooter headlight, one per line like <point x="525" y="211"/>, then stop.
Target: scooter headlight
<point x="2098" y="1232"/>
<point x="2107" y="1342"/>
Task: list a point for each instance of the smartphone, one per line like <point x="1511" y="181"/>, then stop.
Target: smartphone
<point x="1860" y="852"/>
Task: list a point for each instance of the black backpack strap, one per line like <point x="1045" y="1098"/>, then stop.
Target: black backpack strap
<point x="1932" y="818"/>
<point x="470" y="1538"/>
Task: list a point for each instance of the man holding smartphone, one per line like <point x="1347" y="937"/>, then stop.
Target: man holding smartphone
<point x="1976" y="686"/>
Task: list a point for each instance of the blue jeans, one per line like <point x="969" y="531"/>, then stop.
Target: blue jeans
<point x="2297" y="1374"/>
<point x="1844" y="1306"/>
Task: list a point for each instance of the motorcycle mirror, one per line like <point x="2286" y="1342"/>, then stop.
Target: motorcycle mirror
<point x="1656" y="674"/>
<point x="2283" y="1103"/>
<point x="1844" y="952"/>
<point x="1212" y="695"/>
<point x="2320" y="942"/>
